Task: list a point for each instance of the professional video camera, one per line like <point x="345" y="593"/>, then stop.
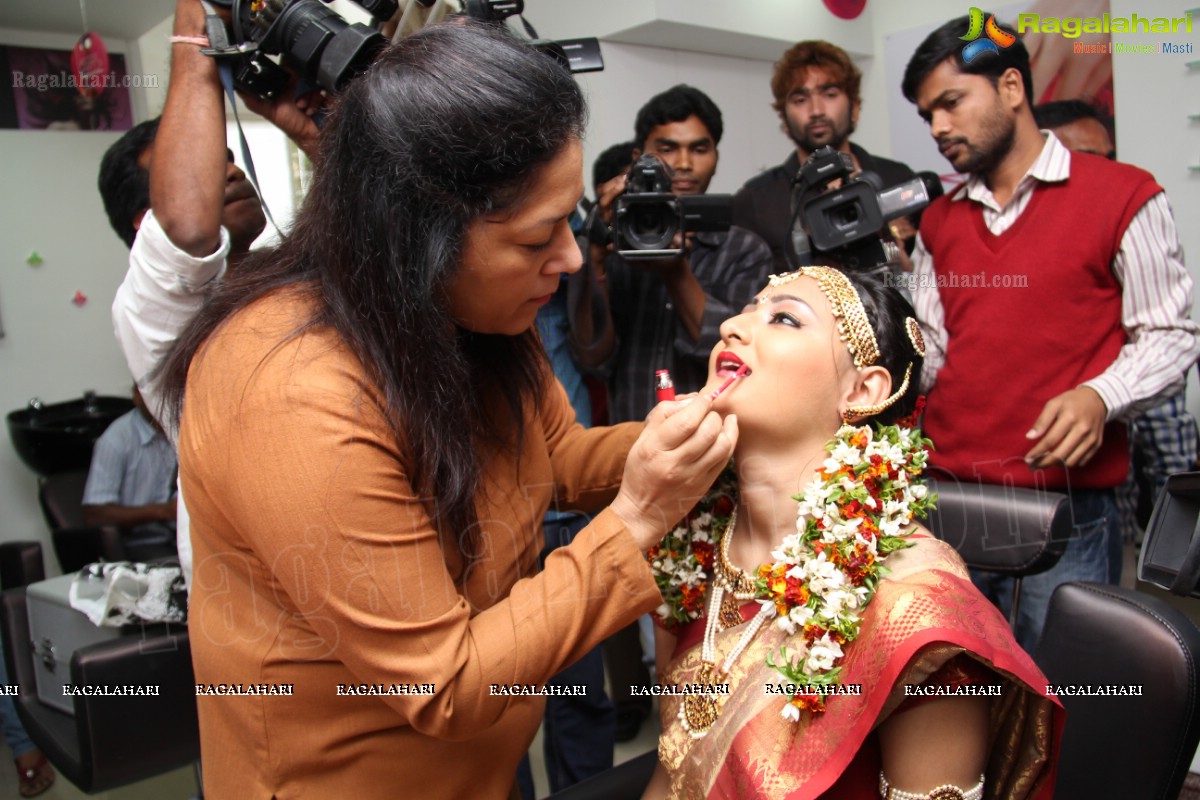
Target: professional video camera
<point x="325" y="50"/>
<point x="844" y="223"/>
<point x="647" y="216"/>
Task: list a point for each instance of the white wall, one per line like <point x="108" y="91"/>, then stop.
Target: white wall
<point x="52" y="349"/>
<point x="633" y="74"/>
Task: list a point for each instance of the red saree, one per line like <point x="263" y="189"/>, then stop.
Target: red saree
<point x="926" y="613"/>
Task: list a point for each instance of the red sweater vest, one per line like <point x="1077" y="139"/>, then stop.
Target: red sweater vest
<point x="1030" y="314"/>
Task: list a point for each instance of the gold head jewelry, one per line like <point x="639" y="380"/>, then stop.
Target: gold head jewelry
<point x="914" y="335"/>
<point x="853" y="326"/>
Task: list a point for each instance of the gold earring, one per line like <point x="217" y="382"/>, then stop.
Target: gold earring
<point x="860" y="412"/>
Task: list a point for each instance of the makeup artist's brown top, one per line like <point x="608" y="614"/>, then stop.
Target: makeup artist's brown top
<point x="315" y="565"/>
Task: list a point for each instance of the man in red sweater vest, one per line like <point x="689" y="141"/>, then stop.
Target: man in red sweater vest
<point x="1054" y="299"/>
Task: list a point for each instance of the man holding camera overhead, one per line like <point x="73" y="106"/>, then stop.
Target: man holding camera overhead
<point x="660" y="304"/>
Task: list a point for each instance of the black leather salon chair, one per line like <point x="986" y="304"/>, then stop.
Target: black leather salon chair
<point x="1123" y="746"/>
<point x="111" y="741"/>
<point x="1008" y="530"/>
<point x="20" y="564"/>
<point x="75" y="542"/>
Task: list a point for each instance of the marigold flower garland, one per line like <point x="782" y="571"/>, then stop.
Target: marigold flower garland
<point x="850" y="518"/>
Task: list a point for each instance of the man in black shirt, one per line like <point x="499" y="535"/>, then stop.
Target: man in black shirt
<point x="816" y="89"/>
<point x="666" y="313"/>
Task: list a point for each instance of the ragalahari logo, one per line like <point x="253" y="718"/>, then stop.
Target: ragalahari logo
<point x="996" y="38"/>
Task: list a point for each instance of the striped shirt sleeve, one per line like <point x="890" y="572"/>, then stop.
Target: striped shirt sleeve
<point x="928" y="305"/>
<point x="1156" y="308"/>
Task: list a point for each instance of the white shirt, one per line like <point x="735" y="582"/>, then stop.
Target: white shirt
<point x="162" y="291"/>
<point x="1156" y="298"/>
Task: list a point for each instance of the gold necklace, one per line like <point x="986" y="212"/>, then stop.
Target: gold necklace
<point x="730" y="585"/>
<point x="738" y="586"/>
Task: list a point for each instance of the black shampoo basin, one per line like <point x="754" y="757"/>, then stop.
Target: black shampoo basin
<point x="58" y="437"/>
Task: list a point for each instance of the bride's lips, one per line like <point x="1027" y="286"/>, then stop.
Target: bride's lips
<point x="728" y="364"/>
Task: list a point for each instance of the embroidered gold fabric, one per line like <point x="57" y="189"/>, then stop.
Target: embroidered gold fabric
<point x="754" y="753"/>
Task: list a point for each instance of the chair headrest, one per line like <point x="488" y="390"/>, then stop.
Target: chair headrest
<point x="1005" y="529"/>
<point x="1171" y="550"/>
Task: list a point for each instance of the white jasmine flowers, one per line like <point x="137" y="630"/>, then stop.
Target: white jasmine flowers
<point x="823" y="654"/>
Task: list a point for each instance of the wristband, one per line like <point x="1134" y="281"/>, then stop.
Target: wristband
<point x="199" y="41"/>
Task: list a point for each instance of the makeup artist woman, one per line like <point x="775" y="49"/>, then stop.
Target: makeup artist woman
<point x="370" y="435"/>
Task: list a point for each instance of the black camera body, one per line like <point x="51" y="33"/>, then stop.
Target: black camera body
<point x="845" y="222"/>
<point x="316" y="43"/>
<point x="647" y="216"/>
<point x="319" y="46"/>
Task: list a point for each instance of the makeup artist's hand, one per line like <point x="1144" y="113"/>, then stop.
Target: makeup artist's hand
<point x="682" y="449"/>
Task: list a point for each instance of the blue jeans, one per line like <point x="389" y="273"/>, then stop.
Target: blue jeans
<point x="578" y="733"/>
<point x="14" y="733"/>
<point x="1095" y="541"/>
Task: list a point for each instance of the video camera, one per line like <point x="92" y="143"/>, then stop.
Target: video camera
<point x="322" y="48"/>
<point x="647" y="216"/>
<point x="845" y="222"/>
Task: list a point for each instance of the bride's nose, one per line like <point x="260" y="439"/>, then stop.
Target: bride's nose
<point x="735" y="328"/>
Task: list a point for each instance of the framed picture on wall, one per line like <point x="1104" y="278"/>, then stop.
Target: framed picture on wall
<point x="43" y="93"/>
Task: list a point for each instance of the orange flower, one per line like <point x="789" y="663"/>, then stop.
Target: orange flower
<point x="693" y="596"/>
<point x="797" y="593"/>
<point x="809" y="702"/>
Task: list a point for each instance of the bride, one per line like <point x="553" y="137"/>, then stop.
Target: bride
<point x="817" y="640"/>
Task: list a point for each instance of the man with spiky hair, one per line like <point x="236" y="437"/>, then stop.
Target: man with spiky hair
<point x="817" y="96"/>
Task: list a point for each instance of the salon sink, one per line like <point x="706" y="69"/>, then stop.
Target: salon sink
<point x="57" y="437"/>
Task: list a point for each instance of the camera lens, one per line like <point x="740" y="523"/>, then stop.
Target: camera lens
<point x="647" y="224"/>
<point x="322" y="46"/>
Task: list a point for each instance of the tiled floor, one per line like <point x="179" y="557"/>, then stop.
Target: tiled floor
<point x="178" y="785"/>
<point x="181" y="784"/>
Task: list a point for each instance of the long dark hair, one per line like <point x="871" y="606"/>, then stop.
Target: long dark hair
<point x="449" y="124"/>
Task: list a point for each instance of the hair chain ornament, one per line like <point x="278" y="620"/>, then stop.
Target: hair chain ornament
<point x="913" y="329"/>
<point x="850" y="518"/>
<point x="853" y="325"/>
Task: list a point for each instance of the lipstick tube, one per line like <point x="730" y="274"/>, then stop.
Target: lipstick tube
<point x="664" y="387"/>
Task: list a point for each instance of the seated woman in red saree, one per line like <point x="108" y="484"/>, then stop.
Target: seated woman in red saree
<point x="857" y="660"/>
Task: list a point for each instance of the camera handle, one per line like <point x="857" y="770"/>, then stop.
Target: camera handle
<point x="795" y="229"/>
<point x="219" y="46"/>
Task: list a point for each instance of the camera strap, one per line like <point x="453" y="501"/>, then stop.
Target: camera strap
<point x="225" y="69"/>
<point x="220" y="49"/>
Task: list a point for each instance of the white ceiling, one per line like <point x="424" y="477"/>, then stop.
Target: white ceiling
<point x="112" y="19"/>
